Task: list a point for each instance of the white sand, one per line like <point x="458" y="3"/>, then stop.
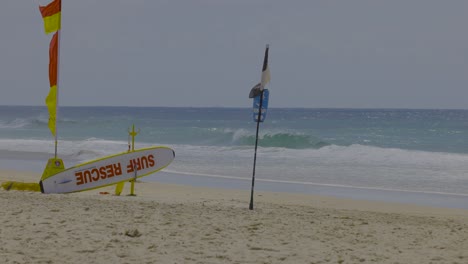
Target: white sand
<point x="180" y="224"/>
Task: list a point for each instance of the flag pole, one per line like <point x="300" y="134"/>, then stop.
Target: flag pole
<point x="58" y="79"/>
<point x="59" y="32"/>
<point x="264" y="80"/>
<point x="255" y="155"/>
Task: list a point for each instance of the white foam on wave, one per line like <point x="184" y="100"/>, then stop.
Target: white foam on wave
<point x="27" y="145"/>
<point x="25" y="122"/>
<point x="80" y="150"/>
<point x="355" y="165"/>
<point x="15" y="124"/>
<point x="238" y="134"/>
<point x="333" y="154"/>
<point x="369" y="155"/>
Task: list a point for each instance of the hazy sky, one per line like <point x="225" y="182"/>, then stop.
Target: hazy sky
<point x="323" y="53"/>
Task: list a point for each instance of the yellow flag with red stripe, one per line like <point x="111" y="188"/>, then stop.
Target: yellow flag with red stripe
<point x="51" y="14"/>
<point x="51" y="99"/>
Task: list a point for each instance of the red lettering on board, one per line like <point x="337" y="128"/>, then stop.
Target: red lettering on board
<point x="141" y="163"/>
<point x="144" y="162"/>
<point x="110" y="171"/>
<point x="137" y="163"/>
<point x="79" y="178"/>
<point x="103" y="173"/>
<point x="130" y="167"/>
<point x="117" y="169"/>
<point x="87" y="176"/>
<point x="95" y="174"/>
<point x="151" y="160"/>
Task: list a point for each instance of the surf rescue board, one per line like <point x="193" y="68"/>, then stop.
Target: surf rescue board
<point x="107" y="171"/>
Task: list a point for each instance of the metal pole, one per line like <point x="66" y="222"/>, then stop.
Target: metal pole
<point x="59" y="37"/>
<point x="255" y="155"/>
<point x="59" y="41"/>
<point x="132" y="186"/>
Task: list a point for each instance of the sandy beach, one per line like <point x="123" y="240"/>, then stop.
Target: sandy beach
<point x="168" y="223"/>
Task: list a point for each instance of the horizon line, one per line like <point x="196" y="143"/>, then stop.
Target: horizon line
<point x="241" y="107"/>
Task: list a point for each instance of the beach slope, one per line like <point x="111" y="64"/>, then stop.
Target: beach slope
<point x="180" y="224"/>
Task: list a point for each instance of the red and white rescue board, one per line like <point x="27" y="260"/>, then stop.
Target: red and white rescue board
<point x="108" y="170"/>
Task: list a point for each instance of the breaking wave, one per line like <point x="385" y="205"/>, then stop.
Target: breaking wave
<point x="284" y="140"/>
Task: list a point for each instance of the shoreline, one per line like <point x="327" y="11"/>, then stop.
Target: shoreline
<point x="170" y="223"/>
<point x="430" y="199"/>
<point x="404" y="197"/>
<point x="430" y="191"/>
<point x="154" y="189"/>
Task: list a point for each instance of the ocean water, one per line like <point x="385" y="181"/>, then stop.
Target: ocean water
<point x="377" y="149"/>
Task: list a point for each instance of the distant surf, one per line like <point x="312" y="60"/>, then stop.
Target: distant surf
<point x="411" y="150"/>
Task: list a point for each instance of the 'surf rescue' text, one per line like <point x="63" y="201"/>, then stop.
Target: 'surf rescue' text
<point x="140" y="163"/>
<point x="95" y="174"/>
